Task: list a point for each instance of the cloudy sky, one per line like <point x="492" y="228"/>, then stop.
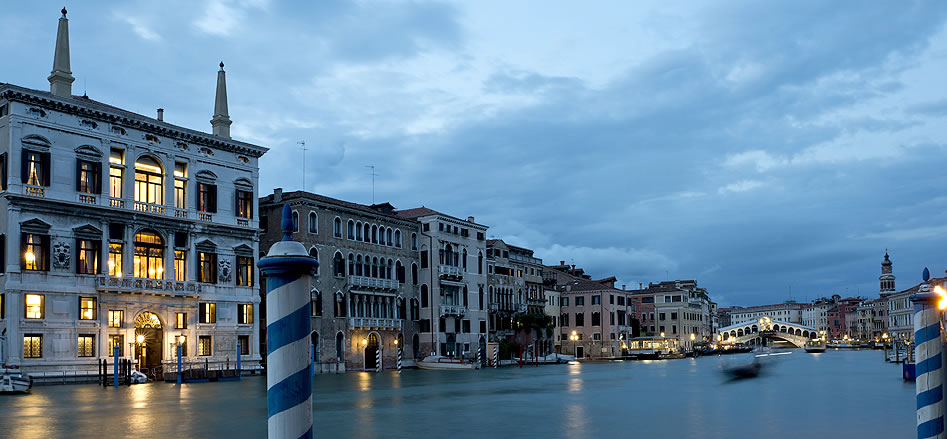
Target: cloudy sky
<point x="758" y="147"/>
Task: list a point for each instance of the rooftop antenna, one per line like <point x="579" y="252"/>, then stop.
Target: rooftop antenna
<point x="373" y="174"/>
<point x="302" y="145"/>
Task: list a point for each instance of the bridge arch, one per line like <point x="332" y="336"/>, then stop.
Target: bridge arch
<point x="753" y="333"/>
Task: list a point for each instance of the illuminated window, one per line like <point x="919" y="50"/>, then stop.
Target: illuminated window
<point x="180" y="185"/>
<point x="207" y="197"/>
<point x="116" y="318"/>
<point x="149" y="181"/>
<point x="244" y="271"/>
<point x="35" y="306"/>
<point x="208" y="312"/>
<point x="180" y="262"/>
<point x="86" y="346"/>
<point x="87" y="177"/>
<point x="244" y="341"/>
<point x="115" y="259"/>
<point x="207" y="264"/>
<point x="88" y="252"/>
<point x="245" y="313"/>
<point x="180" y="320"/>
<point x="116" y="340"/>
<point x="116" y="172"/>
<point x="35" y="251"/>
<point x="87" y="308"/>
<point x="36" y="165"/>
<point x="32" y="346"/>
<point x="149" y="255"/>
<point x="245" y="204"/>
<point x="204" y="345"/>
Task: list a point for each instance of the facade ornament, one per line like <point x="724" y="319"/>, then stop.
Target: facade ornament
<point x="61" y="255"/>
<point x="224" y="270"/>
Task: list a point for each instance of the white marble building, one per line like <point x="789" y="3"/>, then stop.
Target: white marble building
<point x="120" y="228"/>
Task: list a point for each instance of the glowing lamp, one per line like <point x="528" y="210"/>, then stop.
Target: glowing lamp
<point x="942" y="303"/>
<point x="30" y="256"/>
<point x="693" y="337"/>
<point x="662" y="334"/>
<point x="364" y="341"/>
<point x="396" y="342"/>
<point x="140" y="338"/>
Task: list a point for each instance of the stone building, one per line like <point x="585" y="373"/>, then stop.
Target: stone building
<point x="515" y="286"/>
<point x="365" y="293"/>
<point x="789" y="312"/>
<point x="681" y="310"/>
<point x="453" y="283"/>
<point x="122" y="230"/>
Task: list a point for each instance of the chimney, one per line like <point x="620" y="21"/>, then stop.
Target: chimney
<point x="623" y="287"/>
<point x="640" y="286"/>
<point x="60" y="79"/>
<point x="221" y="121"/>
<point x="161" y="114"/>
<point x="562" y="262"/>
<point x="470" y="219"/>
<point x="277" y="195"/>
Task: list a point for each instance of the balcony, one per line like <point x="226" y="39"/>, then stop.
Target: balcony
<point x="493" y="307"/>
<point x="149" y="208"/>
<point x="453" y="310"/>
<point x="371" y="282"/>
<point x="34" y="191"/>
<point x="521" y="307"/>
<point x="374" y="323"/>
<point x="447" y="271"/>
<point x="117" y="202"/>
<point x="536" y="302"/>
<point x="87" y="199"/>
<point x="180" y="213"/>
<point x="206" y="217"/>
<point x="142" y="285"/>
<point x="243" y="222"/>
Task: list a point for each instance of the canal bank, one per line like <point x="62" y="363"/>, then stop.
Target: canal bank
<point x="835" y="394"/>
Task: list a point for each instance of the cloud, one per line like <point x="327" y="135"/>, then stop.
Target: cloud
<point x="741" y="186"/>
<point x="224" y="17"/>
<point x="140" y="27"/>
<point x="929" y="108"/>
<point x="762" y="161"/>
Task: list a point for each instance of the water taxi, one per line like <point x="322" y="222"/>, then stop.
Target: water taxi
<point x="13" y="381"/>
<point x="652" y="348"/>
<point x="437" y="362"/>
<point x="815" y="346"/>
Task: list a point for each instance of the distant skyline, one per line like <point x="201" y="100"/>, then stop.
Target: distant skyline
<point x="752" y="146"/>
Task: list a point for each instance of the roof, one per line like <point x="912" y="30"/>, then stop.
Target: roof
<point x="94" y="109"/>
<point x="347" y="204"/>
<point x="417" y="212"/>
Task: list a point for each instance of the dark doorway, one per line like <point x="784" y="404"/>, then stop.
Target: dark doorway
<point x="416" y="345"/>
<point x="149" y="340"/>
<point x="340" y="347"/>
<point x="370" y="351"/>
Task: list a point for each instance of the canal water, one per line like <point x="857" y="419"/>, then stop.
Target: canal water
<point x="835" y="394"/>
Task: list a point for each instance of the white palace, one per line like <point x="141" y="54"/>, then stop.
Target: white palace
<point x="122" y="230"/>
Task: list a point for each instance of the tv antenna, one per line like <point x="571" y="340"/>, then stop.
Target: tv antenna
<point x="302" y="145"/>
<point x="373" y="174"/>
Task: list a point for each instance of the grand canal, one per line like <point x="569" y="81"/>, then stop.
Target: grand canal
<point x="835" y="394"/>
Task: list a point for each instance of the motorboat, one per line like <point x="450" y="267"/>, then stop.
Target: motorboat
<point x="815" y="346"/>
<point x="558" y="358"/>
<point x="12" y="380"/>
<point x="437" y="362"/>
<point x="747" y="370"/>
<point x="138" y="378"/>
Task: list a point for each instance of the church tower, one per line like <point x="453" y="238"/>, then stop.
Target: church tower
<point x="886" y="279"/>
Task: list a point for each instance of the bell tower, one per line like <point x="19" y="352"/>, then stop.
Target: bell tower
<point x="886" y="279"/>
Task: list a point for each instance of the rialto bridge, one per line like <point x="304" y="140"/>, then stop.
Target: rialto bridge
<point x="758" y="331"/>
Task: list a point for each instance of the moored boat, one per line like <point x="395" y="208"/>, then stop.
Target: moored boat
<point x="815" y="346"/>
<point x="437" y="362"/>
<point x="12" y="380"/>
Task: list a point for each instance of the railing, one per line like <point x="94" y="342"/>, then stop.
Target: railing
<point x="521" y="307"/>
<point x="371" y="282"/>
<point x="447" y="270"/>
<point x="243" y="222"/>
<point x="35" y="191"/>
<point x="180" y="213"/>
<point x="135" y="284"/>
<point x="205" y="216"/>
<point x="370" y="322"/>
<point x="87" y="199"/>
<point x="453" y="310"/>
<point x="117" y="202"/>
<point x="149" y="208"/>
<point x="493" y="306"/>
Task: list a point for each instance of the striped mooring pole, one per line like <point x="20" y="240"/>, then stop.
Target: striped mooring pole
<point x="288" y="270"/>
<point x="399" y="359"/>
<point x="928" y="357"/>
<point x="479" y="357"/>
<point x="496" y="355"/>
<point x="378" y="360"/>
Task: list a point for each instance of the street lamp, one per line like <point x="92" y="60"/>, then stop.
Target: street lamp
<point x="140" y="348"/>
<point x="574" y="338"/>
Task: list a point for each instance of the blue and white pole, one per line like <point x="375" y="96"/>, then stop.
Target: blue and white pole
<point x="239" y="370"/>
<point x="115" y="366"/>
<point x="179" y="361"/>
<point x="288" y="271"/>
<point x="928" y="357"/>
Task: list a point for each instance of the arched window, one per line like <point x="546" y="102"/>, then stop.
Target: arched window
<point x="415" y="310"/>
<point x="398" y="238"/>
<point x="149" y="181"/>
<point x="351" y="264"/>
<point x="149" y="255"/>
<point x="374" y="234"/>
<point x="339" y="265"/>
<point x="337" y="227"/>
<point x="388" y="268"/>
<point x="464" y="260"/>
<point x="414" y="241"/>
<point x="414" y="274"/>
<point x="351" y="232"/>
<point x="479" y="262"/>
<point x="313" y="223"/>
<point x="368" y="266"/>
<point x="316" y="302"/>
<point x="481" y="297"/>
<point x="465" y="296"/>
<point x="388" y="237"/>
<point x="374" y="267"/>
<point x="399" y="271"/>
<point x="358" y="231"/>
<point x="295" y="221"/>
<point x="314" y="253"/>
<point x="358" y="265"/>
<point x="424" y="298"/>
<point x="367" y="236"/>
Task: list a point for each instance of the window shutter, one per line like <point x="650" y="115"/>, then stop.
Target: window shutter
<point x="24" y="166"/>
<point x="23" y="251"/>
<point x="78" y="251"/>
<point x="97" y="175"/>
<point x="197" y="197"/>
<point x="44" y="243"/>
<point x="78" y="175"/>
<point x="45" y="161"/>
<point x="3" y="258"/>
<point x="3" y="170"/>
<point x="212" y="195"/>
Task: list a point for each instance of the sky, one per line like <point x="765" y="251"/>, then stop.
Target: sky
<point x="769" y="150"/>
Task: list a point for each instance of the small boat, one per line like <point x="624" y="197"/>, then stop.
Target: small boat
<point x="437" y="362"/>
<point x="138" y="377"/>
<point x="13" y="381"/>
<point x="815" y="346"/>
<point x="749" y="370"/>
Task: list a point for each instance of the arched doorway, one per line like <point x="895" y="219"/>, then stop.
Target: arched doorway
<point x="449" y="349"/>
<point x="149" y="339"/>
<point x="370" y="349"/>
<point x="340" y="347"/>
<point x="416" y="345"/>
